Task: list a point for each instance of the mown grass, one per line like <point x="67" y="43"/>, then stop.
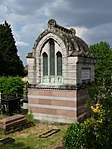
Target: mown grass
<point x="28" y="138"/>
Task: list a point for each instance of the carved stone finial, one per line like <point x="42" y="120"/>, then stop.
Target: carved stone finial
<point x="73" y="31"/>
<point x="51" y="23"/>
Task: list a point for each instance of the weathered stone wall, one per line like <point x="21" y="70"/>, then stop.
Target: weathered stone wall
<point x="71" y="73"/>
<point x="85" y="63"/>
<point x="63" y="106"/>
<point x="31" y="70"/>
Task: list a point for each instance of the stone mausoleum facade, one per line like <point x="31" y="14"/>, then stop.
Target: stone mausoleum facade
<point x="59" y="68"/>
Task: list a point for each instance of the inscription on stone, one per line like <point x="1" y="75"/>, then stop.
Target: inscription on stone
<point x="85" y="74"/>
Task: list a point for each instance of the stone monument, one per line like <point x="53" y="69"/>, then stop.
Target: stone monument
<point x="59" y="68"/>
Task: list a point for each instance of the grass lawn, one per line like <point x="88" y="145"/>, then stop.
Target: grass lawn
<point x="28" y="138"/>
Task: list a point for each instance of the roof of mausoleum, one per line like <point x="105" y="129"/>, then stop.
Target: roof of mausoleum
<point x="74" y="44"/>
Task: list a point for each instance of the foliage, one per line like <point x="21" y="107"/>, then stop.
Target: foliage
<point x="100" y="92"/>
<point x="91" y="134"/>
<point x="98" y="112"/>
<point x="103" y="66"/>
<point x="102" y="87"/>
<point x="2" y="116"/>
<point x="74" y="136"/>
<point x="97" y="131"/>
<point x="11" y="86"/>
<point x="29" y="117"/>
<point x="10" y="63"/>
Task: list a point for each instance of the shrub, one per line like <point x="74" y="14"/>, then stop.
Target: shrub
<point x="90" y="128"/>
<point x="11" y="86"/>
<point x="91" y="134"/>
<point x="74" y="137"/>
<point x="30" y="117"/>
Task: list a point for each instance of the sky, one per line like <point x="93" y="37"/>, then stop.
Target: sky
<point x="92" y="20"/>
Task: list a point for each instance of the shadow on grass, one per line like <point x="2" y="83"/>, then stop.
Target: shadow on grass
<point x="19" y="145"/>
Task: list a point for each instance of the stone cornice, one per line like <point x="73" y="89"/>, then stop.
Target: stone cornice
<point x="58" y="87"/>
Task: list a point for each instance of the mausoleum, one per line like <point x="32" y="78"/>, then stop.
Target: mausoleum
<point x="59" y="68"/>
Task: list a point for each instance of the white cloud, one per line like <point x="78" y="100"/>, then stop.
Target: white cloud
<point x="80" y="31"/>
<point x="32" y="29"/>
<point x="22" y="44"/>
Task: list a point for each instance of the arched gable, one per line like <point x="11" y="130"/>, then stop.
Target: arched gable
<point x="43" y="40"/>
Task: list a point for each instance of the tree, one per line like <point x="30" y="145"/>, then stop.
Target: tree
<point x="11" y="87"/>
<point x="101" y="90"/>
<point x="102" y="87"/>
<point x="10" y="63"/>
<point x="103" y="66"/>
<point x="74" y="136"/>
